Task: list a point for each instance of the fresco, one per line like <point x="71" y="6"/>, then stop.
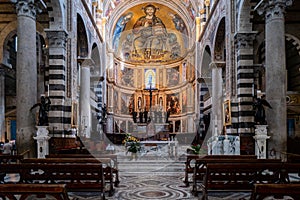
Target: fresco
<point x="150" y="33"/>
<point x="173" y="105"/>
<point x="173" y="76"/>
<point x="127" y="77"/>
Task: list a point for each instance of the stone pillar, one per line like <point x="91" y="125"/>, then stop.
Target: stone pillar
<point x="217" y="96"/>
<point x="245" y="80"/>
<point x="85" y="105"/>
<point x="261" y="141"/>
<point x="26" y="74"/>
<point x="57" y="85"/>
<point x="42" y="138"/>
<point x="275" y="72"/>
<point x="2" y="105"/>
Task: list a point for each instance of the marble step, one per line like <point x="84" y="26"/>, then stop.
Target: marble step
<point x="145" y="166"/>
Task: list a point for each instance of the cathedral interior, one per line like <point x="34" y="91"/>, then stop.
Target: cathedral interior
<point x="159" y="70"/>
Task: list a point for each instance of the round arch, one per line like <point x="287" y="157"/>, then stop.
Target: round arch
<point x="57" y="14"/>
<point x="82" y="39"/>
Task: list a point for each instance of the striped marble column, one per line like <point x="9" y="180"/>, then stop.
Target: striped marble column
<point x="202" y="93"/>
<point x="60" y="113"/>
<point x="245" y="80"/>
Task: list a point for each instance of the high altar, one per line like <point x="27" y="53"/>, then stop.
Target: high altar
<point x="151" y="99"/>
<point x="150" y="76"/>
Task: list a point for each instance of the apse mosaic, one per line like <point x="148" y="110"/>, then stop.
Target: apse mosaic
<point x="150" y="33"/>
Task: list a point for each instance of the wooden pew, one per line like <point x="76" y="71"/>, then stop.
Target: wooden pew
<point x="77" y="177"/>
<point x="105" y="162"/>
<point x="191" y="160"/>
<point x="58" y="191"/>
<point x="289" y="170"/>
<point x="7" y="158"/>
<point x="201" y="165"/>
<point x="113" y="164"/>
<point x="238" y="176"/>
<point x="262" y="191"/>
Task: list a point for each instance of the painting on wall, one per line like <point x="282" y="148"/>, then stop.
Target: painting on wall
<point x="126" y="101"/>
<point x="173" y="105"/>
<point x="115" y="100"/>
<point x="226" y="113"/>
<point x="184" y="101"/>
<point x="150" y="79"/>
<point x="150" y="33"/>
<point x="74" y="116"/>
<point x="127" y="77"/>
<point x="173" y="76"/>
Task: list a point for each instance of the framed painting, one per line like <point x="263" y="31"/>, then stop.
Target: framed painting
<point x="226" y="113"/>
<point x="74" y="116"/>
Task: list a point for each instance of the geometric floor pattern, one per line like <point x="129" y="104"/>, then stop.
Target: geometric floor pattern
<point x="156" y="187"/>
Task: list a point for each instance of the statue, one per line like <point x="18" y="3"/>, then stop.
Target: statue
<point x="43" y="111"/>
<point x="260" y="115"/>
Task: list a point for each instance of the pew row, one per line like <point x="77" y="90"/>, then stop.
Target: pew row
<point x="24" y="191"/>
<point x="105" y="162"/>
<point x="228" y="171"/>
<point x="113" y="163"/>
<point x="77" y="177"/>
<point x="278" y="191"/>
<point x="191" y="161"/>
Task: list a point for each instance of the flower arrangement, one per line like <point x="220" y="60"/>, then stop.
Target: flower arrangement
<point x="195" y="148"/>
<point x="131" y="143"/>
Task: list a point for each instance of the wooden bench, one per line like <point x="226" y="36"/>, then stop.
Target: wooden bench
<point x="58" y="191"/>
<point x="7" y="158"/>
<point x="113" y="164"/>
<point x="262" y="191"/>
<point x="77" y="177"/>
<point x="105" y="162"/>
<point x="191" y="160"/>
<point x="290" y="172"/>
<point x="239" y="176"/>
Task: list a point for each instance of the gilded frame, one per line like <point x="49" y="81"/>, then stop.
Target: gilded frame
<point x="227" y="113"/>
<point x="74" y="116"/>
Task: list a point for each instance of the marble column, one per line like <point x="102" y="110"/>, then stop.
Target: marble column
<point x="85" y="105"/>
<point x="276" y="86"/>
<point x="2" y="105"/>
<point x="217" y="97"/>
<point x="26" y="74"/>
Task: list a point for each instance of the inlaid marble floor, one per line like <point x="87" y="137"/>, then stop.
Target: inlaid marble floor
<point x="155" y="186"/>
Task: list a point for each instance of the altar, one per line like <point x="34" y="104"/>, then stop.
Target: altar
<point x="151" y="131"/>
<point x="164" y="149"/>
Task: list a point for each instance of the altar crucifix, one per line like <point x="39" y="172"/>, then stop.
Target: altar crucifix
<point x="150" y="92"/>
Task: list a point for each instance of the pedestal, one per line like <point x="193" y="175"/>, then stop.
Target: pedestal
<point x="224" y="145"/>
<point x="42" y="137"/>
<point x="261" y="141"/>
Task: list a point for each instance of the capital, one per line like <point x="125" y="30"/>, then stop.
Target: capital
<point x="244" y="40"/>
<point x="273" y="8"/>
<point x="26" y="8"/>
<point x="218" y="64"/>
<point x="57" y="38"/>
<point x="86" y="62"/>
